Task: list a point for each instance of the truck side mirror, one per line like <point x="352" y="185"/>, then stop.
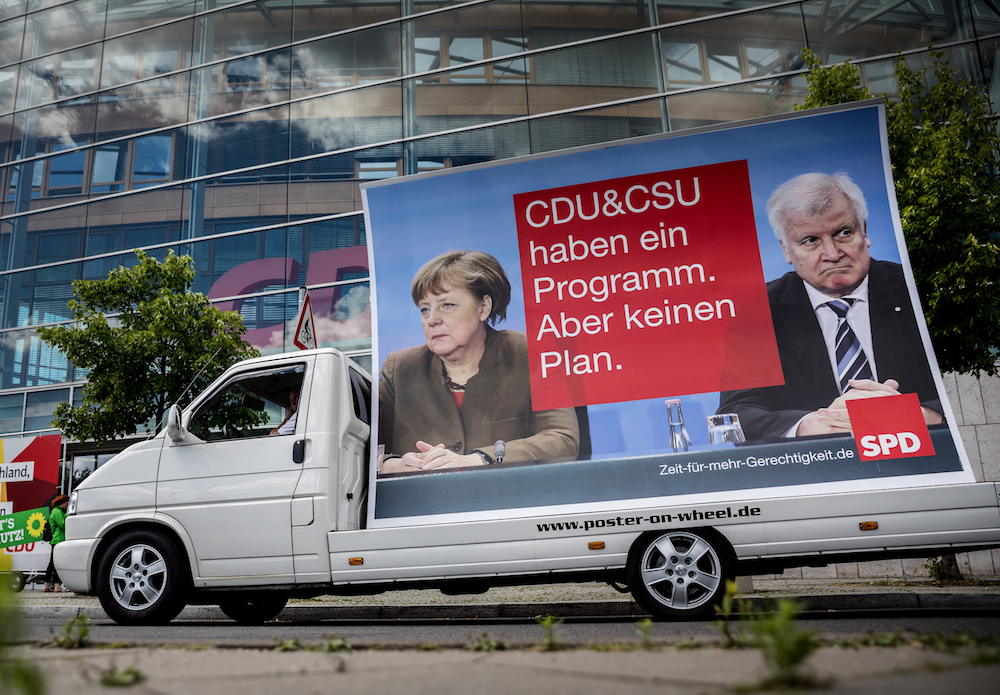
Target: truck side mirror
<point x="175" y="428"/>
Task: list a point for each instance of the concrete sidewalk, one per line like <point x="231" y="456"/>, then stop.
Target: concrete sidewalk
<point x="663" y="671"/>
<point x="563" y="600"/>
<point x="666" y="669"/>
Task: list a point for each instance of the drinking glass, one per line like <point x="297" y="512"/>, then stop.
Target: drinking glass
<point x="725" y="428"/>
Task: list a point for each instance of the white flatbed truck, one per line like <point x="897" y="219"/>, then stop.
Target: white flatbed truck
<point x="210" y="513"/>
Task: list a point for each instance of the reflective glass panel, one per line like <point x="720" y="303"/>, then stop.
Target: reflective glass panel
<point x="61" y="27"/>
<point x="727" y="104"/>
<point x="40" y="405"/>
<point x="348" y="59"/>
<point x="235" y="143"/>
<point x="109" y="172"/>
<point x="985" y="16"/>
<point x="145" y="105"/>
<point x="683" y="60"/>
<point x="8" y="88"/>
<point x="723" y="62"/>
<point x="991" y="70"/>
<point x="12" y="8"/>
<point x="314" y="19"/>
<point x="466" y="49"/>
<point x="152" y="159"/>
<point x="427" y="51"/>
<point x="11" y="36"/>
<point x="11" y="411"/>
<point x="66" y="171"/>
<point x="59" y="76"/>
<point x="146" y="54"/>
<point x="237" y="31"/>
<point x="861" y="30"/>
<point x="125" y="15"/>
<point x="327" y="124"/>
<point x="471" y="147"/>
<point x="517" y="70"/>
<point x="625" y="62"/>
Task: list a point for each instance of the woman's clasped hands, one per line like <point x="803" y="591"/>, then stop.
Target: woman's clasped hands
<point x="430" y="458"/>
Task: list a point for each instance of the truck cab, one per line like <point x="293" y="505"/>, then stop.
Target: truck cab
<point x="220" y="499"/>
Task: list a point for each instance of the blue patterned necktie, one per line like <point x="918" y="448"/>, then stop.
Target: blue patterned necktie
<point x="852" y="363"/>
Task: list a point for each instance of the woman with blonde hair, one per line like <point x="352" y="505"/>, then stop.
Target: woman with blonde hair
<point x="464" y="397"/>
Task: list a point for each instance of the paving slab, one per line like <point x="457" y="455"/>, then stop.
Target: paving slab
<point x="885" y="671"/>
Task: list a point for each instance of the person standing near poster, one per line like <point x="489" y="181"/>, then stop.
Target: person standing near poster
<point x="844" y="322"/>
<point x="464" y="398"/>
<point x="57" y="522"/>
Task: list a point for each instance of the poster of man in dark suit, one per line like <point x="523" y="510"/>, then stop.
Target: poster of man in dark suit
<point x="844" y="322"/>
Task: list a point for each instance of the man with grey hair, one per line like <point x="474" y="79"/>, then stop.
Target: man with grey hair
<point x="844" y="322"/>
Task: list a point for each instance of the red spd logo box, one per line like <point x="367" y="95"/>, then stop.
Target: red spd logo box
<point x="891" y="427"/>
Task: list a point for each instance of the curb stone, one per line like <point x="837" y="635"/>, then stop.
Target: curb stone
<point x="521" y="611"/>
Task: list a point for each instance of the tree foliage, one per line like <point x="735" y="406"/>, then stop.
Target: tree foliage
<point x="142" y="336"/>
<point x="944" y="146"/>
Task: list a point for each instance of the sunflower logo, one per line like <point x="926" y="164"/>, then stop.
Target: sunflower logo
<point x="35" y="524"/>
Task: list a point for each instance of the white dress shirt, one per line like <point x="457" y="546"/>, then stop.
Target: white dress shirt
<point x="858" y="318"/>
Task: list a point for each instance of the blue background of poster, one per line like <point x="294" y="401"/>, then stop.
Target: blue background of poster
<point x="414" y="219"/>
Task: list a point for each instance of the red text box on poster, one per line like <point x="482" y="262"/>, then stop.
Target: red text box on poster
<point x="644" y="286"/>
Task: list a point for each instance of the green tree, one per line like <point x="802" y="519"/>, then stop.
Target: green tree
<point x="142" y="336"/>
<point x="944" y="146"/>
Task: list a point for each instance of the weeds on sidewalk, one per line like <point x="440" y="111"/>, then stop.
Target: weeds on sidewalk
<point x="17" y="674"/>
<point x="74" y="634"/>
<point x="645" y="633"/>
<point x="552" y="640"/>
<point x="935" y="569"/>
<point x="336" y="644"/>
<point x="125" y="678"/>
<point x="288" y="645"/>
<point x="729" y="607"/>
<point x="952" y="643"/>
<point x="485" y="643"/>
<point x="876" y="639"/>
<point x="786" y="647"/>
<point x="331" y="646"/>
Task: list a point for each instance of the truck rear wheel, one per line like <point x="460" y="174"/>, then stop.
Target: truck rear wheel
<point x="679" y="574"/>
<point x="141" y="579"/>
<point x="249" y="608"/>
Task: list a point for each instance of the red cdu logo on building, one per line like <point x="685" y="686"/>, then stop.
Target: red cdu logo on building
<point x="891" y="427"/>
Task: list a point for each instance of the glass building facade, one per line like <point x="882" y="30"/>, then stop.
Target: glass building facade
<point x="239" y="132"/>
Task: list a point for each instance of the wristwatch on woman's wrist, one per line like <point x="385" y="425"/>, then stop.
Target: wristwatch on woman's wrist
<point x="499" y="449"/>
<point x="487" y="459"/>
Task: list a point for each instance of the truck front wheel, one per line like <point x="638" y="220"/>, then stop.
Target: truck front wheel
<point x="679" y="574"/>
<point x="14" y="580"/>
<point x="250" y="608"/>
<point x="141" y="579"/>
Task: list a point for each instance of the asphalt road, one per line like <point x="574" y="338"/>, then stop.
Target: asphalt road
<point x="514" y="633"/>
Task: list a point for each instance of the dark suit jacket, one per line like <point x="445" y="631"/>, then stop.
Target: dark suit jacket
<point x="809" y="380"/>
<point x="414" y="403"/>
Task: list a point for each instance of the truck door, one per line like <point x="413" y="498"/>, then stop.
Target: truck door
<point x="231" y="484"/>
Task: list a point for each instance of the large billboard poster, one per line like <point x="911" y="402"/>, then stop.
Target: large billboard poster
<point x="721" y="314"/>
<point x="29" y="479"/>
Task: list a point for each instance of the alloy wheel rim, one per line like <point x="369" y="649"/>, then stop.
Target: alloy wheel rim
<point x="138" y="577"/>
<point x="681" y="570"/>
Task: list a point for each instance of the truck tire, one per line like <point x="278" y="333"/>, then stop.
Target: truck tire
<point x="14" y="581"/>
<point x="679" y="574"/>
<point x="250" y="608"/>
<point x="141" y="579"/>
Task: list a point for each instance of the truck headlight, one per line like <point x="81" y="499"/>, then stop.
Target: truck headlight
<point x="71" y="507"/>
